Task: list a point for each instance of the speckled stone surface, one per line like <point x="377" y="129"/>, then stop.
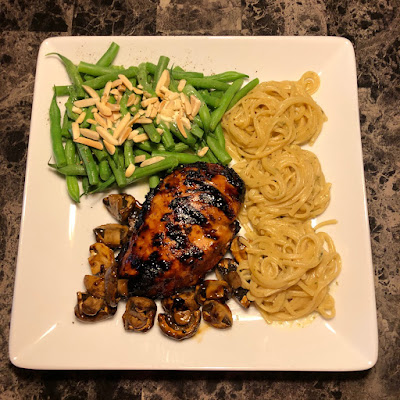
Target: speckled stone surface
<point x="374" y="29"/>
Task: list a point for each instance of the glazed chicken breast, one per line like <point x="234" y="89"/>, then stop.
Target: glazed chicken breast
<point x="185" y="227"/>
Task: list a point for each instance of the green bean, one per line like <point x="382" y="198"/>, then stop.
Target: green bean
<point x="216" y="93"/>
<point x="55" y="133"/>
<point x="128" y="153"/>
<point x="204" y="112"/>
<point x="68" y="106"/>
<point x="152" y="133"/>
<point x="183" y="158"/>
<point x="85" y="185"/>
<point x="180" y="147"/>
<point x="104" y="170"/>
<point x="101" y="81"/>
<point x="166" y="137"/>
<point x="138" y="152"/>
<point x="218" y="113"/>
<point x="70" y="169"/>
<point x="72" y="181"/>
<point x="154" y="180"/>
<point x="207" y="83"/>
<point x="123" y="109"/>
<point x="218" y="150"/>
<point x="66" y="124"/>
<point x="190" y="140"/>
<point x="97" y="70"/>
<point x="89" y="163"/>
<point x="146" y="146"/>
<point x="142" y="172"/>
<point x="118" y="172"/>
<point x="197" y="120"/>
<point x="89" y="115"/>
<point x="176" y="73"/>
<point x="209" y="156"/>
<point x="73" y="74"/>
<point x="142" y="79"/>
<point x="228" y="76"/>
<point x="163" y="62"/>
<point x="100" y="154"/>
<point x="211" y="101"/>
<point x="197" y="131"/>
<point x="219" y="134"/>
<point x="106" y="59"/>
<point x="242" y="92"/>
<point x="62" y="90"/>
<point x="103" y="186"/>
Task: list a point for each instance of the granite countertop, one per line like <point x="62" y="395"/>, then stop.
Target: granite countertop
<point x="374" y="29"/>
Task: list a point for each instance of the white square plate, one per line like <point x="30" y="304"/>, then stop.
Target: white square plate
<point x="56" y="234"/>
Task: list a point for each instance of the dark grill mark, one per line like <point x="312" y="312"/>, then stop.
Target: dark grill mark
<point x="185" y="212"/>
<point x="175" y="233"/>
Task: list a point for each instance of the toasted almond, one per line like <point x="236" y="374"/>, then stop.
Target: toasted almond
<point x="125" y="134"/>
<point x="121" y="88"/>
<point x="186" y="103"/>
<point x="109" y="123"/>
<point x="113" y="107"/>
<point x="92" y="143"/>
<point x="116" y="83"/>
<point x="116" y="116"/>
<point x="160" y="131"/>
<point x="134" y="133"/>
<point x="173" y="96"/>
<point x="130" y="170"/>
<point x="85" y="103"/>
<point x="151" y="161"/>
<point x="106" y="136"/>
<point x="131" y="100"/>
<point x="140" y="86"/>
<point x="158" y="119"/>
<point x="165" y="118"/>
<point x="182" y="84"/>
<point x="140" y="138"/>
<point x="107" y="88"/>
<point x="149" y="101"/>
<point x="177" y="104"/>
<point x="100" y="120"/>
<point x="147" y="95"/>
<point x="186" y="123"/>
<point x="126" y="81"/>
<point x="91" y="121"/>
<point x="95" y="110"/>
<point x="196" y="104"/>
<point x="81" y="118"/>
<point x="103" y="109"/>
<point x="122" y="125"/>
<point x="109" y="147"/>
<point x="162" y="105"/>
<point x="76" y="110"/>
<point x="139" y="159"/>
<point x="134" y="119"/>
<point x="149" y="109"/>
<point x="75" y="130"/>
<point x="137" y="100"/>
<point x="154" y="111"/>
<point x="202" y="152"/>
<point x="89" y="133"/>
<point x="114" y="92"/>
<point x="181" y="127"/>
<point x="137" y="91"/>
<point x="91" y="92"/>
<point x="144" y="121"/>
<point x="163" y="81"/>
<point x="142" y="112"/>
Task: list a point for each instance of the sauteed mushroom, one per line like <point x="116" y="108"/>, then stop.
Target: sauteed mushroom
<point x="171" y="328"/>
<point x="227" y="270"/>
<point x="181" y="301"/>
<point x="139" y="315"/>
<point x="238" y="249"/>
<point x="122" y="286"/>
<point x="111" y="286"/>
<point x="101" y="258"/>
<point x="120" y="205"/>
<point x="213" y="290"/>
<point x="94" y="285"/>
<point x="112" y="235"/>
<point x="92" y="309"/>
<point x="217" y="314"/>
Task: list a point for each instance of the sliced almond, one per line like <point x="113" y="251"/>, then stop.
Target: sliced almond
<point x="137" y="91"/>
<point x="116" y="83"/>
<point x="131" y="100"/>
<point x="134" y="133"/>
<point x="113" y="107"/>
<point x="126" y="81"/>
<point x="158" y="119"/>
<point x="91" y="121"/>
<point x="181" y="127"/>
<point x="81" y="118"/>
<point x="186" y="103"/>
<point x="137" y="100"/>
<point x="109" y="147"/>
<point x="95" y="110"/>
<point x="140" y="138"/>
<point x="106" y="136"/>
<point x="121" y="88"/>
<point x="149" y="110"/>
<point x="75" y="130"/>
<point x="186" y="123"/>
<point x="151" y="161"/>
<point x="173" y="96"/>
<point x="196" y="104"/>
<point x="160" y="131"/>
<point x="140" y="86"/>
<point x="114" y="92"/>
<point x="109" y="123"/>
<point x="103" y="109"/>
<point x="122" y="125"/>
<point x="182" y="84"/>
<point x="139" y="159"/>
<point x="92" y="143"/>
<point x="154" y="111"/>
<point x="107" y="88"/>
<point x="91" y="92"/>
<point x="76" y="110"/>
<point x="202" y="152"/>
<point x="165" y="118"/>
<point x="144" y="121"/>
<point x="163" y="81"/>
<point x="130" y="170"/>
<point x="125" y="134"/>
<point x="89" y="133"/>
<point x="149" y="101"/>
<point x="116" y="116"/>
<point x="85" y="103"/>
<point x="100" y="120"/>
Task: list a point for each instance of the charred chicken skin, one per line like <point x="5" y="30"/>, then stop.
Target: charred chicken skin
<point x="185" y="227"/>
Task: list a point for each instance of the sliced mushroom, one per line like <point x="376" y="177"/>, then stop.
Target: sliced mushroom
<point x="227" y="270"/>
<point x="172" y="329"/>
<point x="120" y="205"/>
<point x="181" y="301"/>
<point x="139" y="315"/>
<point x="101" y="258"/>
<point x="112" y="235"/>
<point x="92" y="309"/>
<point x="111" y="286"/>
<point x="122" y="286"/>
<point x="213" y="290"/>
<point x="217" y="314"/>
<point x="94" y="285"/>
<point x="238" y="249"/>
<point x="134" y="216"/>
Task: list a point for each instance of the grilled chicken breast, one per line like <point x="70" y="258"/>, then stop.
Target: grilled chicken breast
<point x="185" y="227"/>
